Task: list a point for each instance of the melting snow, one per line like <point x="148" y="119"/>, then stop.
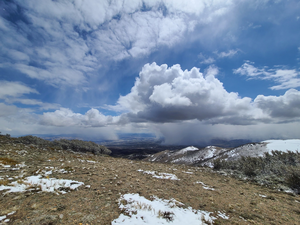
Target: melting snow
<point x="188" y="172"/>
<point x="205" y="186"/>
<point x="44" y="184"/>
<point x="223" y="215"/>
<point x="4" y="217"/>
<point x="155" y="174"/>
<point x="47" y="185"/>
<point x="139" y="210"/>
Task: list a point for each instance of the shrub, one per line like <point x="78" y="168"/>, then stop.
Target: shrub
<point x="272" y="169"/>
<point x="75" y="145"/>
<point x="82" y="146"/>
<point x="293" y="179"/>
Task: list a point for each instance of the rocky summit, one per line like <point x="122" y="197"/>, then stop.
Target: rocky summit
<point x="46" y="183"/>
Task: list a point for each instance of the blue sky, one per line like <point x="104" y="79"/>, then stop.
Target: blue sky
<point x="187" y="71"/>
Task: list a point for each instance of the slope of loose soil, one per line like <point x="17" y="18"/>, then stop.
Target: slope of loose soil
<point x="106" y="179"/>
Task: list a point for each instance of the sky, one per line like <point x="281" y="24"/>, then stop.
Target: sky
<point x="184" y="71"/>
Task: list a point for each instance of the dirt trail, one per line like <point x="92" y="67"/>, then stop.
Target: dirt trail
<point x="106" y="179"/>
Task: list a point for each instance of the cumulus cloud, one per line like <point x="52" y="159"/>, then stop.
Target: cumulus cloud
<point x="285" y="77"/>
<point x="286" y="106"/>
<point x="163" y="94"/>
<point x="168" y="94"/>
<point x="65" y="118"/>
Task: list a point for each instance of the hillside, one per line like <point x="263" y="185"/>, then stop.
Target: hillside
<point x="41" y="184"/>
<point x="206" y="156"/>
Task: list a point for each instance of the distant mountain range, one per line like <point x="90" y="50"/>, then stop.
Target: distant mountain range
<point x="205" y="156"/>
<point x="140" y="145"/>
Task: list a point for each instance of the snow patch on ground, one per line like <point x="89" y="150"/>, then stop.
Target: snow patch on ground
<point x="3" y="218"/>
<point x="139" y="210"/>
<point x="38" y="183"/>
<point x="205" y="186"/>
<point x="168" y="176"/>
<point x="223" y="215"/>
<point x="188" y="172"/>
<point x="48" y="185"/>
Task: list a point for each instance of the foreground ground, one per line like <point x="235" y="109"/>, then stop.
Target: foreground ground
<point x="105" y="179"/>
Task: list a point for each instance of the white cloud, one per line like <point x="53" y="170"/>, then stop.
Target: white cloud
<point x="286" y="106"/>
<point x="7" y="110"/>
<point x="286" y="78"/>
<point x="67" y="118"/>
<point x="64" y="41"/>
<point x="14" y="89"/>
<point x="163" y="94"/>
<point x="168" y="94"/>
<point x="229" y="54"/>
<point x="210" y="60"/>
<point x="24" y="101"/>
<point x="205" y="59"/>
<point x="12" y="92"/>
<point x="18" y="126"/>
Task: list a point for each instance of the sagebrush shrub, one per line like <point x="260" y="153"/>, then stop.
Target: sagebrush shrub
<point x="272" y="168"/>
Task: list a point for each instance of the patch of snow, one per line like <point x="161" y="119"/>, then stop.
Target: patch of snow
<point x="48" y="172"/>
<point x="168" y="176"/>
<point x="47" y="185"/>
<point x="242" y="218"/>
<point x="2" y="217"/>
<point x="5" y="166"/>
<point x="13" y="212"/>
<point x="223" y="215"/>
<point x="188" y="172"/>
<point x="140" y="210"/>
<point x="205" y="186"/>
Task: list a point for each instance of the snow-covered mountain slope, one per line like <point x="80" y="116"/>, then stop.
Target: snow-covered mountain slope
<point x="187" y="156"/>
<point x="194" y="156"/>
<point x="259" y="149"/>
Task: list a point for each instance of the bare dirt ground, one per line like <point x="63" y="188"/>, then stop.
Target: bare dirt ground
<point x="106" y="179"/>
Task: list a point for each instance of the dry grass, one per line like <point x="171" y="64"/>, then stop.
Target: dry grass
<point x="4" y="182"/>
<point x="110" y="177"/>
<point x="8" y="161"/>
